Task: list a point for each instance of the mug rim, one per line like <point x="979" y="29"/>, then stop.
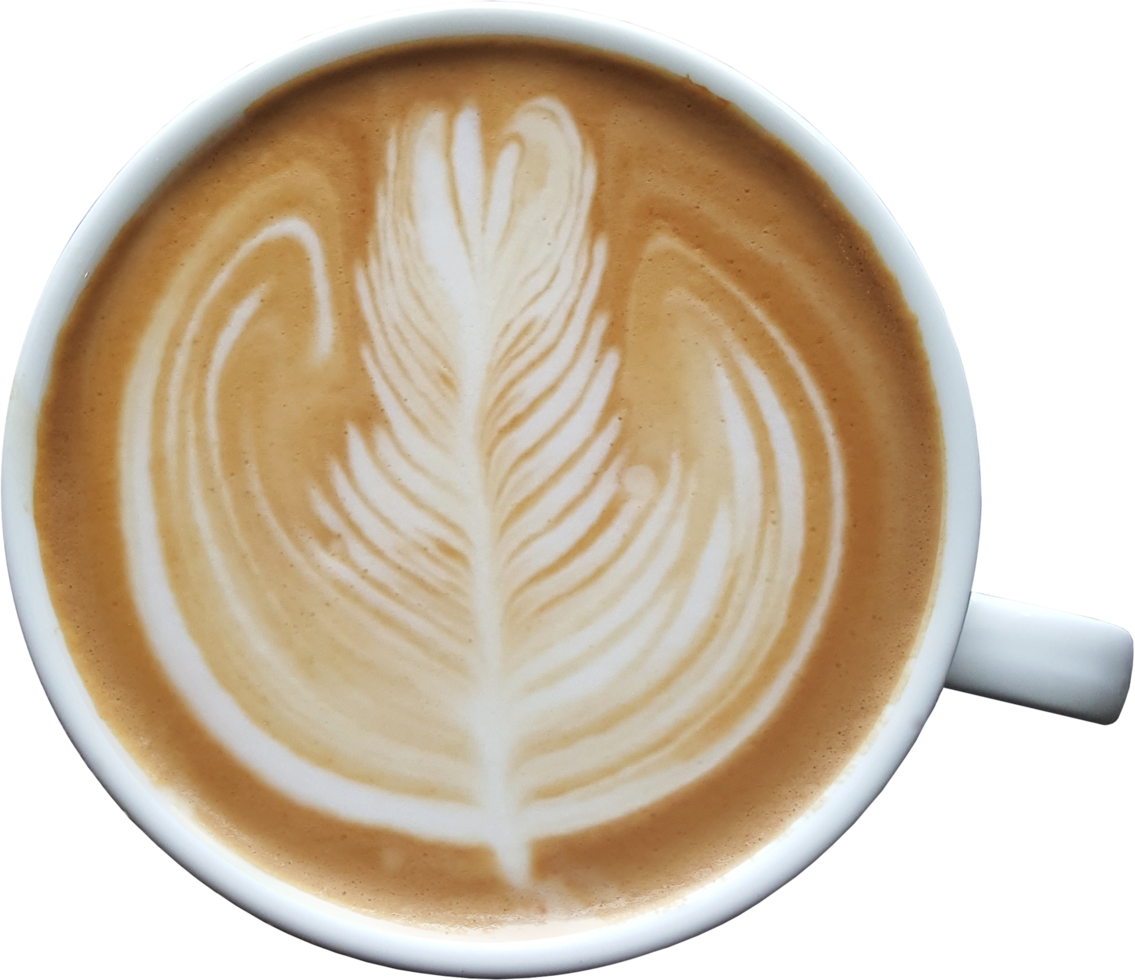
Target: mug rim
<point x="322" y="922"/>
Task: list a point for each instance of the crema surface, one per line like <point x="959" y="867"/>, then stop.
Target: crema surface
<point x="494" y="485"/>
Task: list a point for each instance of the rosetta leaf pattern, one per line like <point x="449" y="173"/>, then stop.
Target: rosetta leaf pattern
<point x="557" y="623"/>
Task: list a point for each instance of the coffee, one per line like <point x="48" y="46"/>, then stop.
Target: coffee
<point x="495" y="484"/>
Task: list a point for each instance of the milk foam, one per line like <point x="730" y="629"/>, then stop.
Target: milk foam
<point x="498" y="621"/>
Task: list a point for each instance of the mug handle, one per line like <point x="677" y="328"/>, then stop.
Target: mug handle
<point x="1023" y="654"/>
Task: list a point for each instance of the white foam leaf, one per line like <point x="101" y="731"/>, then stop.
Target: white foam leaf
<point x="517" y="629"/>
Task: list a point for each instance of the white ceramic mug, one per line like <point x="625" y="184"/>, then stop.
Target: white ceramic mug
<point x="1066" y="664"/>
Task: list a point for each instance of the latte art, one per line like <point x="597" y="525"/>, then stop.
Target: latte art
<point x="490" y="616"/>
<point x="495" y="485"/>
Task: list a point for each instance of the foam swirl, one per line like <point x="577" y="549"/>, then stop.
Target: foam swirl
<point x="488" y="616"/>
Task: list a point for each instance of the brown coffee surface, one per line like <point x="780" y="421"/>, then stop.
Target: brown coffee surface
<point x="246" y="389"/>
